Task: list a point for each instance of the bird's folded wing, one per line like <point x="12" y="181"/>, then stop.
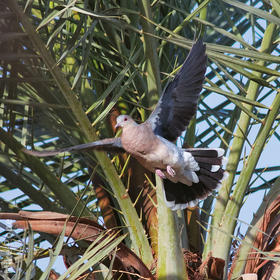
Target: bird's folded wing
<point x="178" y="103"/>
<point x="109" y="144"/>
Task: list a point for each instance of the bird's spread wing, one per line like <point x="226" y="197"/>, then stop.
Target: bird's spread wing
<point x="109" y="144"/>
<point x="178" y="103"/>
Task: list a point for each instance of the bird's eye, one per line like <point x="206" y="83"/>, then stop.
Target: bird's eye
<point x="125" y="119"/>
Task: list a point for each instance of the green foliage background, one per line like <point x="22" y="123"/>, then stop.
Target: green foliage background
<point x="69" y="67"/>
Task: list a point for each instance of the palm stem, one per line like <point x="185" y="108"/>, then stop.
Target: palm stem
<point x="170" y="258"/>
<point x="224" y="202"/>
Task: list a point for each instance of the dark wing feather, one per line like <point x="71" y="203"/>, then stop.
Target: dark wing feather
<point x="109" y="144"/>
<point x="178" y="103"/>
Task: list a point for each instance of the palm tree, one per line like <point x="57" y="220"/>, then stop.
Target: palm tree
<point x="68" y="68"/>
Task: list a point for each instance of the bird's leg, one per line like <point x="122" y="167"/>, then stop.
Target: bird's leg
<point x="160" y="174"/>
<point x="170" y="171"/>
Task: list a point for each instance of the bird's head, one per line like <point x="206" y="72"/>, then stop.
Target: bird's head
<point x="123" y="120"/>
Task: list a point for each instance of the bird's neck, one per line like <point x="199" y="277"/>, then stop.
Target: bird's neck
<point x="136" y="138"/>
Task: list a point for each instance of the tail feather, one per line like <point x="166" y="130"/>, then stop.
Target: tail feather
<point x="210" y="167"/>
<point x="206" y="152"/>
<point x="209" y="183"/>
<point x="217" y="175"/>
<point x="210" y="176"/>
<point x="209" y="160"/>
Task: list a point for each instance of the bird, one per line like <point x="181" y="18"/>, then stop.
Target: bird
<point x="189" y="174"/>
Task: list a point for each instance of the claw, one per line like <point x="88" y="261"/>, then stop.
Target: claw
<point x="170" y="171"/>
<point x="160" y="174"/>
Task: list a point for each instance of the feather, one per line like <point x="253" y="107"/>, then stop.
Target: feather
<point x="178" y="103"/>
<point x="210" y="175"/>
<point x="109" y="144"/>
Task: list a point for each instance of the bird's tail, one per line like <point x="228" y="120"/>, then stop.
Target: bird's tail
<point x="209" y="178"/>
<point x="210" y="162"/>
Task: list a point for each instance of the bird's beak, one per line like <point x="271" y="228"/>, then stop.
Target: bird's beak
<point x="117" y="125"/>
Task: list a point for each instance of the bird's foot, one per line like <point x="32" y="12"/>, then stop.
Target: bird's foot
<point x="160" y="174"/>
<point x="170" y="171"/>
